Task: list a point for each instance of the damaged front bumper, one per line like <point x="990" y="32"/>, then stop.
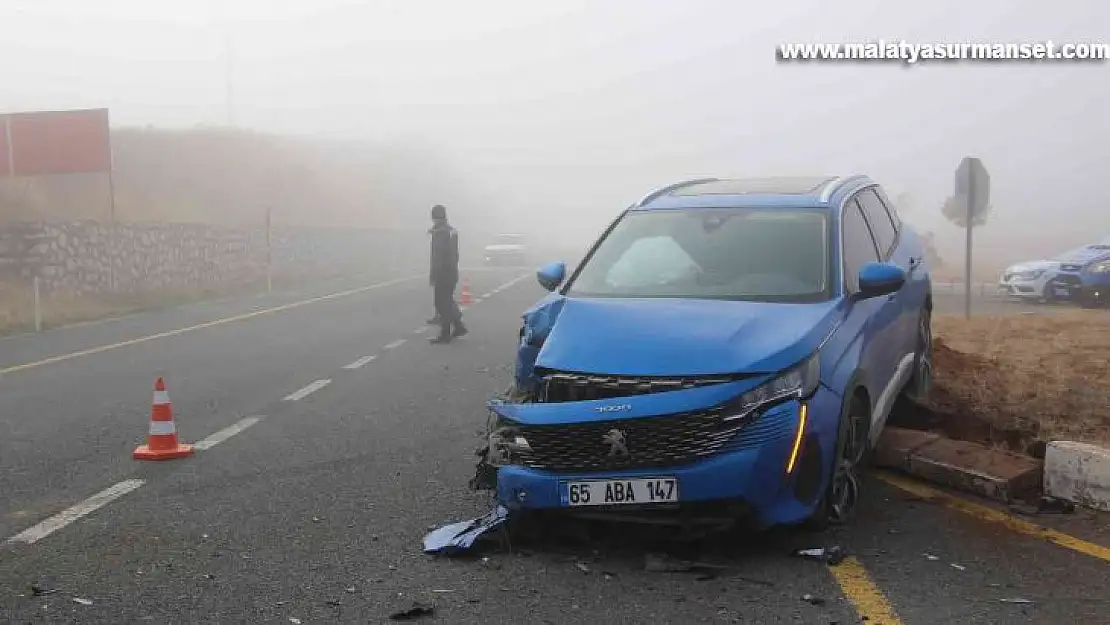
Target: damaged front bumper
<point x="746" y="476"/>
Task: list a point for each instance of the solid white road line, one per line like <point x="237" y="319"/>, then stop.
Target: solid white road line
<point x="226" y="433"/>
<point x="361" y="362"/>
<point x="308" y="390"/>
<point x="395" y="344"/>
<point x="58" y="521"/>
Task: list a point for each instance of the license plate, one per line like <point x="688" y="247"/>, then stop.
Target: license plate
<point x="629" y="491"/>
<point x="1062" y="292"/>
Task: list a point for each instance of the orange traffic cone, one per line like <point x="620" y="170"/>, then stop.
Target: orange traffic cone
<point x="465" y="298"/>
<point x="162" y="443"/>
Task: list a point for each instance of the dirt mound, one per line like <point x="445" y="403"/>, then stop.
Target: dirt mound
<point x="1019" y="380"/>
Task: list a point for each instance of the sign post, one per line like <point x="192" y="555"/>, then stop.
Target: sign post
<point x="973" y="191"/>
<point x="269" y="250"/>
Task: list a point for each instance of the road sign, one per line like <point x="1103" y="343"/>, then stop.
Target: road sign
<point x="973" y="188"/>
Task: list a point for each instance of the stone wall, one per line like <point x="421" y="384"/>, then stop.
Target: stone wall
<point x="95" y="257"/>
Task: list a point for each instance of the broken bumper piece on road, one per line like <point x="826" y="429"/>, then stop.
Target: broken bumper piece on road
<point x="461" y="536"/>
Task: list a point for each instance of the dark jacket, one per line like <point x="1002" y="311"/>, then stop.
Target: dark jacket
<point x="445" y="254"/>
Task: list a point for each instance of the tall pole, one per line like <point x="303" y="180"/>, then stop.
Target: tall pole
<point x="229" y="69"/>
<point x="11" y="148"/>
<point x="111" y="209"/>
<point x="269" y="250"/>
<point x="971" y="199"/>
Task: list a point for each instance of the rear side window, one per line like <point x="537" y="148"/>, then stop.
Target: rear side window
<point x="890" y="207"/>
<point x="859" y="245"/>
<point x="881" y="225"/>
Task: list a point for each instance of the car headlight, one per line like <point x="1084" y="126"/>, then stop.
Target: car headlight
<point x="797" y="383"/>
<point x="1103" y="267"/>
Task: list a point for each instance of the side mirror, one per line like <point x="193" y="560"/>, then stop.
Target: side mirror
<point x="552" y="275"/>
<point x="877" y="279"/>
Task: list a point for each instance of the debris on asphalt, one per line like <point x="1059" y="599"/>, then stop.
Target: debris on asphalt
<point x="659" y="563"/>
<point x="82" y="601"/>
<point x="350" y="590"/>
<point x="295" y="621"/>
<point x="811" y="599"/>
<point x="1017" y="601"/>
<point x="417" y="611"/>
<point x="1052" y="505"/>
<point x="829" y="555"/>
<point x="461" y="536"/>
<point x="39" y="591"/>
<point x="581" y="566"/>
<point x="958" y="567"/>
<point x="931" y="557"/>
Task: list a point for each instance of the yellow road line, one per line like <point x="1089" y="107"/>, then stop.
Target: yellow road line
<point x="200" y="326"/>
<point x="991" y="515"/>
<point x="863" y="594"/>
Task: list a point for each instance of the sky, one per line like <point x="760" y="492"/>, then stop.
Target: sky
<point x="573" y="109"/>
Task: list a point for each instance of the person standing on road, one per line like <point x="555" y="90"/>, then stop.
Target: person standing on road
<point x="444" y="276"/>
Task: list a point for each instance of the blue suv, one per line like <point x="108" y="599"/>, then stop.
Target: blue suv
<point x="1094" y="288"/>
<point x="726" y="346"/>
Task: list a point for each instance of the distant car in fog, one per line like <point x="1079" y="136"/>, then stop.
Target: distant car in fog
<point x="1053" y="280"/>
<point x="507" y="249"/>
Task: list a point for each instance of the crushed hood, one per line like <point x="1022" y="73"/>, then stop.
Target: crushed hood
<point x="679" y="337"/>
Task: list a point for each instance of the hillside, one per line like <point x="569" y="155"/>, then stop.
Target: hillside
<point x="229" y="177"/>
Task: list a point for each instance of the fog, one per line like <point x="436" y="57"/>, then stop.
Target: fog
<point x="549" y="117"/>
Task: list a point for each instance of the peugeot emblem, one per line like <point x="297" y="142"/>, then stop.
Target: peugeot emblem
<point x="616" y="441"/>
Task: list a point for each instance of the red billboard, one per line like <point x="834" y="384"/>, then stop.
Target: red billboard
<point x="55" y="142"/>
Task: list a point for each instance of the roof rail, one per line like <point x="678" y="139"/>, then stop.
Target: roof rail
<point x="836" y="184"/>
<point x="671" y="187"/>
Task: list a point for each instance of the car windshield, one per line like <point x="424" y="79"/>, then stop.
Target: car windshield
<point x="779" y="255"/>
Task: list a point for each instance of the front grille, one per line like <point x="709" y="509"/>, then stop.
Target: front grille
<point x="651" y="442"/>
<point x="562" y="386"/>
<point x="1067" y="280"/>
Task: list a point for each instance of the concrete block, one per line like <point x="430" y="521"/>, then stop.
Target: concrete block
<point x="896" y="444"/>
<point x="976" y="469"/>
<point x="1078" y="472"/>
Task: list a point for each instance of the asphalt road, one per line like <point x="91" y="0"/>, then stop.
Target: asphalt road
<point x="312" y="507"/>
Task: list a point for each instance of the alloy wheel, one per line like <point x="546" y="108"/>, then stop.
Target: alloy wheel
<point x="845" y="487"/>
<point x="923" y="372"/>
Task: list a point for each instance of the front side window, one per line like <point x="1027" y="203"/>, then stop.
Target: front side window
<point x="881" y="224"/>
<point x="773" y="255"/>
<point x="859" y="245"/>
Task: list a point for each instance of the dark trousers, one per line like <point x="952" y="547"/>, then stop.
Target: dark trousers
<point x="447" y="311"/>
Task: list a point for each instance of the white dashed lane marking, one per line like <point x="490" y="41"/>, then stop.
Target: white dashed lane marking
<point x="361" y="362"/>
<point x="36" y="533"/>
<point x="116" y="491"/>
<point x="226" y="433"/>
<point x="308" y="390"/>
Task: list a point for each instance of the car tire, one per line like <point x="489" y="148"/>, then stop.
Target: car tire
<point x="838" y="504"/>
<point x="921" y="381"/>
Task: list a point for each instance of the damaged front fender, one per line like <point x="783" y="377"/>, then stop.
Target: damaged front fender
<point x="538" y="322"/>
<point x="502" y="441"/>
